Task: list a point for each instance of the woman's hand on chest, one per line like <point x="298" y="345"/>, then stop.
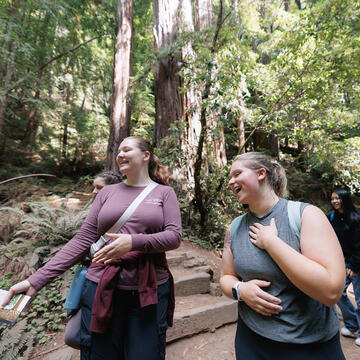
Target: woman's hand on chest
<point x="263" y="236"/>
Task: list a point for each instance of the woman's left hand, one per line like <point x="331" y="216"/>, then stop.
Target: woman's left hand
<point x="119" y="247"/>
<point x="262" y="236"/>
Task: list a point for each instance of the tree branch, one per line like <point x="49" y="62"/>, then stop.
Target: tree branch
<point x="42" y="66"/>
<point x="24" y="176"/>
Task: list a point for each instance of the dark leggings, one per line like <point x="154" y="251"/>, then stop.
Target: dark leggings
<point x="251" y="346"/>
<point x="135" y="333"/>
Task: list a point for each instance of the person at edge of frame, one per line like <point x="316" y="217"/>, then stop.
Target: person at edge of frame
<point x="346" y="222"/>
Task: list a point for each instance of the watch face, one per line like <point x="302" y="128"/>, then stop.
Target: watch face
<point x="234" y="292"/>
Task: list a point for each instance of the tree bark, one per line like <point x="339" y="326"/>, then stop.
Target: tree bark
<point x="199" y="197"/>
<point x="266" y="141"/>
<point x="168" y="101"/>
<point x="191" y="126"/>
<point x="215" y="132"/>
<point x="8" y="65"/>
<point x="204" y="16"/>
<point x="287" y="5"/>
<point x="241" y="133"/>
<point x="121" y="108"/>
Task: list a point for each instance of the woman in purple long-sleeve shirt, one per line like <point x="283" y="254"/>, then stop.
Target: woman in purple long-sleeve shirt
<point x="127" y="317"/>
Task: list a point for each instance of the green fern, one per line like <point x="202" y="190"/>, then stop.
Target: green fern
<point x="53" y="226"/>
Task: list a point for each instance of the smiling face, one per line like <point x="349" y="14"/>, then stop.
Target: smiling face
<point x="336" y="202"/>
<point x="130" y="158"/>
<point x="245" y="182"/>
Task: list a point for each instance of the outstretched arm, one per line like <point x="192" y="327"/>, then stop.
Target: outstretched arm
<point x="318" y="270"/>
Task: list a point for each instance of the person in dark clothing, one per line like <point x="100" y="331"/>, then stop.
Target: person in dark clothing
<point x="346" y="223"/>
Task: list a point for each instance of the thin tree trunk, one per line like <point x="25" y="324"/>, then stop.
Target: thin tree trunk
<point x="241" y="133"/>
<point x="120" y="109"/>
<point x="287" y="5"/>
<point x="199" y="198"/>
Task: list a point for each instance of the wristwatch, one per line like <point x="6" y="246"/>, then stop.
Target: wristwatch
<point x="235" y="291"/>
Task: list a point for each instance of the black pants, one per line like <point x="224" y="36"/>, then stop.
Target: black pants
<point x="135" y="333"/>
<point x="251" y="346"/>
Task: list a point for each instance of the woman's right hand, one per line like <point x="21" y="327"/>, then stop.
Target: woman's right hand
<point x="259" y="300"/>
<point x="21" y="287"/>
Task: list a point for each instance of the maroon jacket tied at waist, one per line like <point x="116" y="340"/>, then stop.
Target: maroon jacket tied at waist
<point x="103" y="303"/>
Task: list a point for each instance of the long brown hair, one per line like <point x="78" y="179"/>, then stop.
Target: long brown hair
<point x="157" y="171"/>
<point x="275" y="173"/>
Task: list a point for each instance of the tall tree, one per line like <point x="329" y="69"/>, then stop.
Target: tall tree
<point x="121" y="108"/>
<point x="168" y="101"/>
<point x="204" y="19"/>
<point x="190" y="123"/>
<point x="10" y="44"/>
<point x="199" y="196"/>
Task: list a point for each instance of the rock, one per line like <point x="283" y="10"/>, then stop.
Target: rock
<point x="192" y="284"/>
<point x="205" y="268"/>
<point x="215" y="289"/>
<point x="66" y="353"/>
<point x="193" y="263"/>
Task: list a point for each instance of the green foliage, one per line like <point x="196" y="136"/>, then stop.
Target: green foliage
<point x="60" y="111"/>
<point x="47" y="225"/>
<point x="47" y="312"/>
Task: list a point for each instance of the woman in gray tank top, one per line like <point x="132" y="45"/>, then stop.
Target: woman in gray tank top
<point x="285" y="268"/>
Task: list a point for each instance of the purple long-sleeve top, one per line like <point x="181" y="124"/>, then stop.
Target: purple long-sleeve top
<point x="155" y="227"/>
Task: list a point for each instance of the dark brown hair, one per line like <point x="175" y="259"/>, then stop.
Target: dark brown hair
<point x="275" y="173"/>
<point x="109" y="177"/>
<point x="157" y="171"/>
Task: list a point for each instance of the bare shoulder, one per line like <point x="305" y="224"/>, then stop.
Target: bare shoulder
<point x="313" y="213"/>
<point x="316" y="230"/>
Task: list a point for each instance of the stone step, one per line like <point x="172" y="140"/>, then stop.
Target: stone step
<point x="195" y="283"/>
<point x="175" y="257"/>
<point x="198" y="313"/>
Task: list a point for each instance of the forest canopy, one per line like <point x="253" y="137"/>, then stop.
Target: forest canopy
<point x="203" y="80"/>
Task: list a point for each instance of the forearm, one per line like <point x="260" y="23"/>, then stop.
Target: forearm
<point x="226" y="284"/>
<point x="157" y="242"/>
<point x="309" y="276"/>
<point x="68" y="256"/>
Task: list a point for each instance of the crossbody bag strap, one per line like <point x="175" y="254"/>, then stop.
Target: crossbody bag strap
<point x="132" y="207"/>
<point x="123" y="218"/>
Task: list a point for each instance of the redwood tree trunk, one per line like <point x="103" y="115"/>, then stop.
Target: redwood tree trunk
<point x="8" y="65"/>
<point x="168" y="101"/>
<point x="191" y="126"/>
<point x="120" y="109"/>
<point x="215" y="135"/>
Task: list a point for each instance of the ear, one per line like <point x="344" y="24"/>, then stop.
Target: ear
<point x="146" y="156"/>
<point x="261" y="174"/>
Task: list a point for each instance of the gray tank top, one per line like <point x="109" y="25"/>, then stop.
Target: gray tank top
<point x="303" y="320"/>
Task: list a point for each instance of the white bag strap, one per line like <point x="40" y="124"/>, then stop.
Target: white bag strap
<point x="123" y="218"/>
<point x="132" y="207"/>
